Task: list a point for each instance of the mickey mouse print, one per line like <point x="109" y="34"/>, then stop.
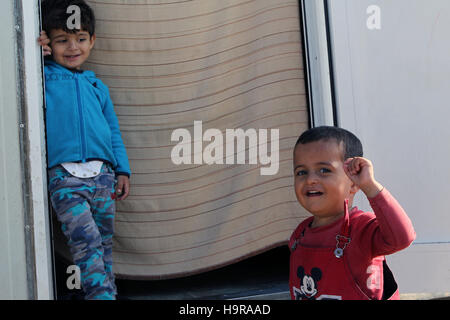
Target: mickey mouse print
<point x="308" y="286"/>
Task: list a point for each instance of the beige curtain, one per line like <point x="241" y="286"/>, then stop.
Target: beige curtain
<point x="230" y="64"/>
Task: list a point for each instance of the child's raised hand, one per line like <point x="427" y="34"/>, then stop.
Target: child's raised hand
<point x="360" y="171"/>
<point x="44" y="41"/>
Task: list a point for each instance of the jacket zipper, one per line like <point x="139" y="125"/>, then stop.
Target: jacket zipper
<point x="82" y="129"/>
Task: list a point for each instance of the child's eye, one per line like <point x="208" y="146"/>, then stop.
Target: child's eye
<point x="301" y="173"/>
<point x="324" y="170"/>
<point x="82" y="39"/>
<point x="61" y="41"/>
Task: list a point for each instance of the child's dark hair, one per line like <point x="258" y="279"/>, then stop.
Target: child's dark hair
<point x="55" y="16"/>
<point x="352" y="145"/>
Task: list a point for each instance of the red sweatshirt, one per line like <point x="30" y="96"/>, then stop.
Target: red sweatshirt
<point x="373" y="235"/>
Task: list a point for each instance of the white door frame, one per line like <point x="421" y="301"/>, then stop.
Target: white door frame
<point x="40" y="257"/>
<point x="317" y="57"/>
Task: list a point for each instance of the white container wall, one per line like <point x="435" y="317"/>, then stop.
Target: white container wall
<point x="25" y="247"/>
<point x="391" y="71"/>
<point x="13" y="273"/>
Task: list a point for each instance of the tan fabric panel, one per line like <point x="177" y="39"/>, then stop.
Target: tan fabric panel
<point x="230" y="64"/>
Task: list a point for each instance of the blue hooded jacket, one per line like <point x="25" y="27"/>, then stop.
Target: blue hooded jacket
<point x="80" y="120"/>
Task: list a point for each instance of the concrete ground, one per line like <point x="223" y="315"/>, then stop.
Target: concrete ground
<point x="265" y="275"/>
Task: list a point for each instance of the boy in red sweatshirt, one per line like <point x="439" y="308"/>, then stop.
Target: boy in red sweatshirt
<point x="338" y="253"/>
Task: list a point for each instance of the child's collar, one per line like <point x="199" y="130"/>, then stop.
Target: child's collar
<point x="51" y="62"/>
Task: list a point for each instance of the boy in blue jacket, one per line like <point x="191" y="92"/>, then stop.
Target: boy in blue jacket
<point x="87" y="160"/>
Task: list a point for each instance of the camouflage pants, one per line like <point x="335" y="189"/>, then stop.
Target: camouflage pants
<point x="86" y="210"/>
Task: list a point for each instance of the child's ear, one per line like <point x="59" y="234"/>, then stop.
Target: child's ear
<point x="354" y="188"/>
<point x="93" y="37"/>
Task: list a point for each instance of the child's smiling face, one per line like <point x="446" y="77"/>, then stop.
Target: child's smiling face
<point x="321" y="184"/>
<point x="71" y="50"/>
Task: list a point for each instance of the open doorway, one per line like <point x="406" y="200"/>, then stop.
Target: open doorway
<point x="230" y="66"/>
